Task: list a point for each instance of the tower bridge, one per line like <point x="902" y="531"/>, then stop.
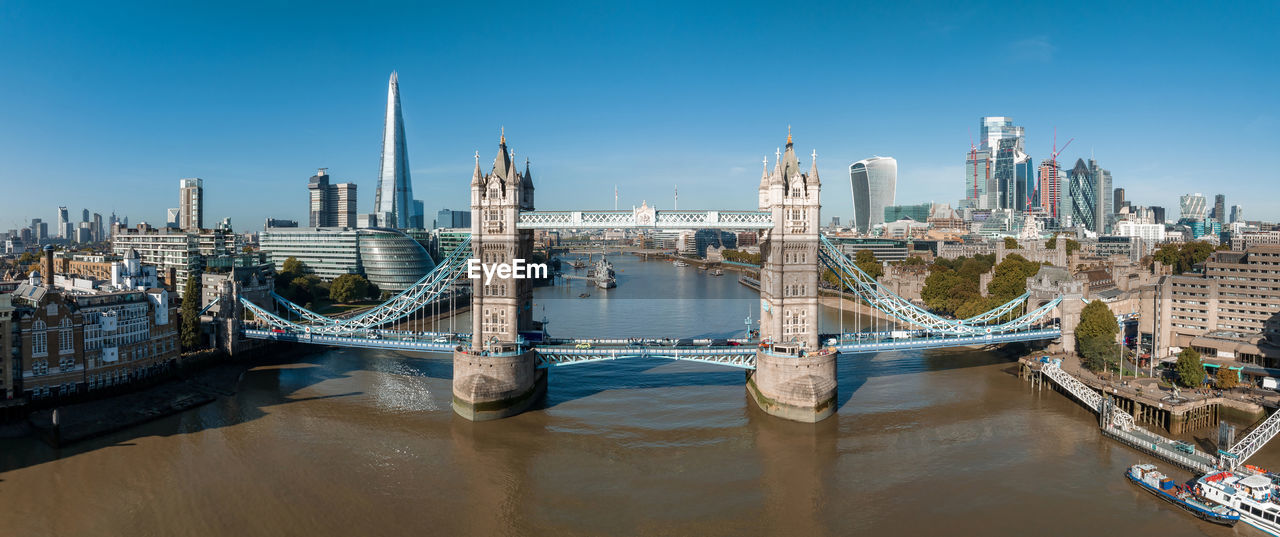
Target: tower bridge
<point x="498" y="370"/>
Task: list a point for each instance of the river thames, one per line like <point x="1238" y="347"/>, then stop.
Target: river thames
<point x="363" y="442"/>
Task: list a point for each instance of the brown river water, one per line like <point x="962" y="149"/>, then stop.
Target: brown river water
<point x="362" y="442"/>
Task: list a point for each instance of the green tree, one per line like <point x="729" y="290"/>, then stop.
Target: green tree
<point x="913" y="261"/>
<point x="1052" y="243"/>
<point x="1189" y="368"/>
<point x="1011" y="243"/>
<point x="292" y="266"/>
<point x="373" y="291"/>
<point x="866" y="260"/>
<point x="1010" y="278"/>
<point x="1226" y="378"/>
<point x="247" y="249"/>
<point x="348" y="288"/>
<point x="190" y="327"/>
<point x="1096" y="335"/>
<point x="1072" y="246"/>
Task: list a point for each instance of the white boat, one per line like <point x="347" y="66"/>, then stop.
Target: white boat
<point x="680" y="263"/>
<point x="1253" y="495"/>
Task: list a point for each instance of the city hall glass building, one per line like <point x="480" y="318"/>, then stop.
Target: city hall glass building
<point x="389" y="258"/>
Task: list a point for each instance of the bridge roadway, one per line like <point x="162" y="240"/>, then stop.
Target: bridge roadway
<point x="736" y="352"/>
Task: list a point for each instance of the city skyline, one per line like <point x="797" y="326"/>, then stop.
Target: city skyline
<point x="258" y="133"/>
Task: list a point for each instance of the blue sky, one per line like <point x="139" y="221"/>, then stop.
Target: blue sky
<point x="107" y="107"/>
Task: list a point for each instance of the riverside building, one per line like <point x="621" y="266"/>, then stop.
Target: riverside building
<point x="389" y="258"/>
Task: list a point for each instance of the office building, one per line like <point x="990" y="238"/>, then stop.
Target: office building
<point x="1117" y="201"/>
<point x="64" y="224"/>
<point x="417" y="218"/>
<point x="1157" y="214"/>
<point x="395" y="191"/>
<point x="979" y="184"/>
<point x="1052" y="178"/>
<point x="99" y="232"/>
<point x="389" y="258"/>
<point x="279" y="222"/>
<point x="874" y="182"/>
<point x="1220" y="208"/>
<point x="448" y="218"/>
<point x="1237" y="214"/>
<point x="1231" y="311"/>
<point x="39" y="230"/>
<point x="1102" y="188"/>
<point x="191" y="204"/>
<point x="1083" y="197"/>
<point x="171" y="217"/>
<point x="332" y="205"/>
<point x="1193" y="206"/>
<point x="919" y="213"/>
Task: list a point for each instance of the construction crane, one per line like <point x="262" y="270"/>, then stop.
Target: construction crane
<point x="1053" y="168"/>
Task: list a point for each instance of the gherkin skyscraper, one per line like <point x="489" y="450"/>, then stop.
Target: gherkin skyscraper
<point x="394" y="199"/>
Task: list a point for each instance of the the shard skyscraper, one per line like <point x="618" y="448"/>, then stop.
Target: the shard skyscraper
<point x="394" y="200"/>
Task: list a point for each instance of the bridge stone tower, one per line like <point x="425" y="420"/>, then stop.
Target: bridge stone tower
<point x="794" y="379"/>
<point x="1051" y="282"/>
<point x="494" y="377"/>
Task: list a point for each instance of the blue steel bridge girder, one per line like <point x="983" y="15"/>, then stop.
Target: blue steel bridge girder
<point x="425" y="291"/>
<point x="866" y="288"/>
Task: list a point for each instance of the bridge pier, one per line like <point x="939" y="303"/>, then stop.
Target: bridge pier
<point x="794" y="387"/>
<point x="497" y="385"/>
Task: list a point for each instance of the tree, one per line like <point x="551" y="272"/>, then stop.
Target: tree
<point x="1011" y="243"/>
<point x="190" y="336"/>
<point x="1226" y="378"/>
<point x="1096" y="335"/>
<point x="912" y="261"/>
<point x="348" y="288"/>
<point x="292" y="266"/>
<point x="1072" y="246"/>
<point x="247" y="249"/>
<point x="1010" y="278"/>
<point x="1052" y="243"/>
<point x="1189" y="368"/>
<point x="373" y="291"/>
<point x="866" y="260"/>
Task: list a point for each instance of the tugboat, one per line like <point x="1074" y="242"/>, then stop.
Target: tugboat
<point x="1252" y="494"/>
<point x="1147" y="477"/>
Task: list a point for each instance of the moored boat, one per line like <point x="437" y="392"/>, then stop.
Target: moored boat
<point x="1252" y="495"/>
<point x="1155" y="482"/>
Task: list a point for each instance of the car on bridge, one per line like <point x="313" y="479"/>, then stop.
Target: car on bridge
<point x="583" y="345"/>
<point x="441" y="339"/>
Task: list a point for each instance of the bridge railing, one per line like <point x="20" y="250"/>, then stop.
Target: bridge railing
<point x="1086" y="395"/>
<point x="1253" y="441"/>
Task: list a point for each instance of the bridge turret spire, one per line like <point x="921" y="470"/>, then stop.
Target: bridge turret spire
<point x="813" y="170"/>
<point x="477" y="179"/>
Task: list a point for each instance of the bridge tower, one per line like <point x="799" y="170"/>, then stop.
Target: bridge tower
<point x="1050" y="282"/>
<point x="793" y="379"/>
<point x="495" y="377"/>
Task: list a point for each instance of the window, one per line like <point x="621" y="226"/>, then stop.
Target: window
<point x="66" y="337"/>
<point x="40" y="367"/>
<point x="39" y="339"/>
<point x="66" y="363"/>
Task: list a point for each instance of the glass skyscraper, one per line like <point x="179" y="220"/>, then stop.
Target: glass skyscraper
<point x="1193" y="206"/>
<point x="1105" y="200"/>
<point x="1083" y="194"/>
<point x="875" y="182"/>
<point x="395" y="193"/>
